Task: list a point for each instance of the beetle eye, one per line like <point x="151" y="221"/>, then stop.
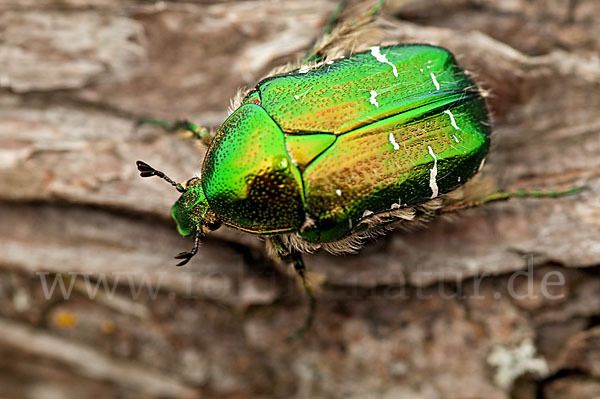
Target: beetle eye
<point x="192" y="182"/>
<point x="213" y="226"/>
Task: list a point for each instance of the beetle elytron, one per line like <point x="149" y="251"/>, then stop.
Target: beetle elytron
<point x="326" y="155"/>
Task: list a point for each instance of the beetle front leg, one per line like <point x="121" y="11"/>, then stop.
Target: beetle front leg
<point x="291" y="255"/>
<point x="201" y="133"/>
<point x="186" y="256"/>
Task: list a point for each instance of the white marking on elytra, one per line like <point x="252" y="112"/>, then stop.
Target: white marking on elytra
<point x="435" y="82"/>
<point x="376" y="52"/>
<point x="452" y="120"/>
<point x="459" y="179"/>
<point x="373" y="99"/>
<point x="393" y="141"/>
<point x="303" y="95"/>
<point x="433" y="174"/>
<point x="455" y="138"/>
<point x="421" y="69"/>
<point x="338" y="192"/>
<point x="350" y="223"/>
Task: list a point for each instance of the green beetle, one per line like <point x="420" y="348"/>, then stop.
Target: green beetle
<point x="323" y="156"/>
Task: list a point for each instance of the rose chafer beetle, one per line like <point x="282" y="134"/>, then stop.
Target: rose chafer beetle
<point x="323" y="156"/>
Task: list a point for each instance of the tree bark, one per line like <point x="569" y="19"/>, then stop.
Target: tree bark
<point x="499" y="302"/>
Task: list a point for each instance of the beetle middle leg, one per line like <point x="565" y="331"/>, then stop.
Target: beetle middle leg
<point x="201" y="133"/>
<point x="291" y="255"/>
<point x="337" y="26"/>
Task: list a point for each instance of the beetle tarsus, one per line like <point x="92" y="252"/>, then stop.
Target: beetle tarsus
<point x="186" y="256"/>
<point x="312" y="300"/>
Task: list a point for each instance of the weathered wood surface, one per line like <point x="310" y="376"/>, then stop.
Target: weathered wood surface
<point x="75" y="75"/>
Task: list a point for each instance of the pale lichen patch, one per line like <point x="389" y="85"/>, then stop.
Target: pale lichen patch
<point x="511" y="363"/>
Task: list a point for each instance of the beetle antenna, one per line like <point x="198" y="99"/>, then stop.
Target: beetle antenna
<point x="148" y="171"/>
<point x="186" y="256"/>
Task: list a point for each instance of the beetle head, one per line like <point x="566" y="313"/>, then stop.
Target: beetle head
<point x="191" y="211"/>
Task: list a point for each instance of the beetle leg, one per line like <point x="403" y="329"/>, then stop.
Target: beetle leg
<point x="423" y="215"/>
<point x="291" y="255"/>
<point x="343" y="27"/>
<point x="186" y="256"/>
<point x="200" y="133"/>
<point x="505" y="195"/>
<point x="312" y="301"/>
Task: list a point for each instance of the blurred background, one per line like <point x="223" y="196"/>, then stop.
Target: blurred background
<point x="500" y="302"/>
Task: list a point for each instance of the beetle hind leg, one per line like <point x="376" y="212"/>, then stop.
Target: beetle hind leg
<point x="505" y="195"/>
<point x="293" y="256"/>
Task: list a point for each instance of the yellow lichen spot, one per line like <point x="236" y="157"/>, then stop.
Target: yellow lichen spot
<point x="64" y="319"/>
<point x="108" y="326"/>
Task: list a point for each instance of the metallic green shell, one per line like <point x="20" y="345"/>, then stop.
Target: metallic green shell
<point x="349" y="93"/>
<point x="388" y="128"/>
<point x="248" y="177"/>
<point x="398" y="162"/>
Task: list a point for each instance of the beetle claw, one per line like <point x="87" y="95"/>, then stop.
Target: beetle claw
<point x="186" y="256"/>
